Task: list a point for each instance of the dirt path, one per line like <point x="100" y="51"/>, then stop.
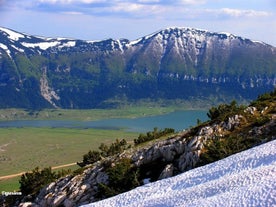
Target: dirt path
<point x="19" y="174"/>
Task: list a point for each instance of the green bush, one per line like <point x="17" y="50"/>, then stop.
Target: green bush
<point x="32" y="182"/>
<point x="155" y="134"/>
<point x="220" y="148"/>
<point x="89" y="158"/>
<point x="223" y="111"/>
<point x="121" y="178"/>
<point x="115" y="148"/>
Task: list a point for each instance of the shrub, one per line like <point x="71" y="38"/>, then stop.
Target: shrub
<point x="93" y="156"/>
<point x="121" y="178"/>
<point x="89" y="158"/>
<point x="223" y="111"/>
<point x="155" y="134"/>
<point x="220" y="148"/>
<point x="32" y="182"/>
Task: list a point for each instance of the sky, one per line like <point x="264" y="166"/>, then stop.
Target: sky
<point x="102" y="19"/>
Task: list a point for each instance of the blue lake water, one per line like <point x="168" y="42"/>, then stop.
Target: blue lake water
<point x="177" y="120"/>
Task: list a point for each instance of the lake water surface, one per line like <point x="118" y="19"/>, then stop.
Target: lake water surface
<point x="177" y="120"/>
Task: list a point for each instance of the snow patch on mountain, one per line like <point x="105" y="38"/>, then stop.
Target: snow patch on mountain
<point x="41" y="45"/>
<point x="47" y="45"/>
<point x="4" y="47"/>
<point x="12" y="35"/>
<point x="68" y="44"/>
<point x="243" y="179"/>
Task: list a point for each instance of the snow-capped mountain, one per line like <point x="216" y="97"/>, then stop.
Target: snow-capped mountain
<point x="243" y="179"/>
<point x="71" y="73"/>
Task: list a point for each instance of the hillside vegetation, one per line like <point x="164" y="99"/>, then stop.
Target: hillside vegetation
<point x="123" y="166"/>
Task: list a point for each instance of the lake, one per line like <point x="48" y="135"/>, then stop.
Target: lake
<point x="177" y="120"/>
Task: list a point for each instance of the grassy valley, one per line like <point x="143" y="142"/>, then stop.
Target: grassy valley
<point x="22" y="149"/>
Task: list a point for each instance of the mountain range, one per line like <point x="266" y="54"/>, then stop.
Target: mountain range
<point x="174" y="63"/>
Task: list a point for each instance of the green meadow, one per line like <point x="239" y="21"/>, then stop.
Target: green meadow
<point x="22" y="149"/>
<point x="82" y="115"/>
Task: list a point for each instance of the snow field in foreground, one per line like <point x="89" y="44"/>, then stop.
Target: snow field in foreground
<point x="244" y="179"/>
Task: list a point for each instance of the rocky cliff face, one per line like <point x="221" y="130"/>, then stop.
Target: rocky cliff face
<point x="84" y="74"/>
<point x="162" y="159"/>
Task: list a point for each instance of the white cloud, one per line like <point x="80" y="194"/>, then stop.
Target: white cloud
<point x="243" y="13"/>
<point x="71" y="1"/>
<point x="192" y="2"/>
<point x="135" y="8"/>
<point x="148" y="1"/>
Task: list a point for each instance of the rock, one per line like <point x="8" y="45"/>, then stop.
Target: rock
<point x="58" y="200"/>
<point x="50" y="186"/>
<point x="167" y="153"/>
<point x="68" y="203"/>
<point x="262" y="112"/>
<point x="28" y="204"/>
<point x="206" y="131"/>
<point x="232" y="122"/>
<point x="167" y="172"/>
<point x="250" y="110"/>
<point x="101" y="177"/>
<point x="85" y="187"/>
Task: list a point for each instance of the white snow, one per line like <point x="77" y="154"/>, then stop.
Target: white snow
<point x="46" y="45"/>
<point x="134" y="42"/>
<point x="41" y="45"/>
<point x="4" y="47"/>
<point x="244" y="179"/>
<point x="12" y="35"/>
<point x="19" y="49"/>
<point x="68" y="44"/>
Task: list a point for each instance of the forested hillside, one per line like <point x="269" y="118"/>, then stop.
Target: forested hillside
<point x="174" y="63"/>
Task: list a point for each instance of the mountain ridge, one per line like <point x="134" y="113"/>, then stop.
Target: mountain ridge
<point x="89" y="74"/>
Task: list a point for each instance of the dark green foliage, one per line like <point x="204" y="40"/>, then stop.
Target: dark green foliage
<point x="93" y="156"/>
<point x="32" y="182"/>
<point x="90" y="158"/>
<point x="155" y="134"/>
<point x="121" y="178"/>
<point x="263" y="100"/>
<point x="223" y="111"/>
<point x="220" y="148"/>
<point x="261" y="121"/>
<point x="117" y="147"/>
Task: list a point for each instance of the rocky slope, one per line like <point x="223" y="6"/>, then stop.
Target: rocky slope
<point x="174" y="63"/>
<point x="236" y="129"/>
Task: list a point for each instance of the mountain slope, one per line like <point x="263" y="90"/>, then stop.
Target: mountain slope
<point x="174" y="63"/>
<point x="243" y="179"/>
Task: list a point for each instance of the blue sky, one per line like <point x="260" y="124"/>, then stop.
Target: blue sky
<point x="101" y="19"/>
